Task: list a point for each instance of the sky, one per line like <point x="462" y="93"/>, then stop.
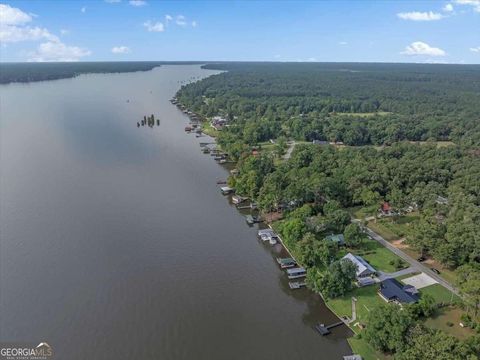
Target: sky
<point x="338" y="31"/>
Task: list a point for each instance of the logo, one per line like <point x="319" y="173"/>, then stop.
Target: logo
<point x="42" y="351"/>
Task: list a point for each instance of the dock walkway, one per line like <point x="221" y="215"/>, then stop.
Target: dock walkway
<point x="325" y="329"/>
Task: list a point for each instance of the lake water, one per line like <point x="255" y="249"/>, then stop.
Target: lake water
<point x="116" y="242"/>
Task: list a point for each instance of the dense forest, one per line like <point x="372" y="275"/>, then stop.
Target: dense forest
<point x="357" y="104"/>
<point x="402" y="133"/>
<point x="29" y="72"/>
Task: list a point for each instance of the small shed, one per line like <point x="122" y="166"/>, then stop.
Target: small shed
<point x="339" y="239"/>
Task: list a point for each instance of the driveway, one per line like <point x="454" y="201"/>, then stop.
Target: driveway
<point x="291" y="146"/>
<point x="383" y="275"/>
<point x="419" y="267"/>
<point x="420" y="281"/>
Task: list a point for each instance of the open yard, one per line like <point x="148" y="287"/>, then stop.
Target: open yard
<point x="439" y="293"/>
<point x="363" y="115"/>
<point x="361" y="347"/>
<point x="367" y="299"/>
<point x="402" y="226"/>
<point x="378" y="256"/>
<point x="448" y="316"/>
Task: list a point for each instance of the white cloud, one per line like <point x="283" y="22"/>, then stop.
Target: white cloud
<point x="13" y="16"/>
<point x="24" y="33"/>
<point x="83" y="9"/>
<point x="194" y="23"/>
<point x="473" y="3"/>
<point x="155" y="27"/>
<point x="448" y="8"/>
<point x="57" y="51"/>
<point x="121" y="50"/>
<point x="421" y="48"/>
<point x="343" y="43"/>
<point x="311" y="59"/>
<point x="137" y="2"/>
<point x="420" y="16"/>
<point x="181" y="21"/>
<point x="168" y="18"/>
<point x="64" y="31"/>
<point x="475" y="49"/>
<point x="13" y="27"/>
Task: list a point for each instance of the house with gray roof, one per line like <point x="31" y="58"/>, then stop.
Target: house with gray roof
<point x="364" y="269"/>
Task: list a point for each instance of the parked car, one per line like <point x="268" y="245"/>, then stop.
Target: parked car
<point x="436" y="271"/>
<point x="421" y="259"/>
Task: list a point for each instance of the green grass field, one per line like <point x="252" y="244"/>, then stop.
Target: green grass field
<point x="402" y="226"/>
<point x="449" y="315"/>
<point x="361" y="347"/>
<point x="440" y="294"/>
<point x="383" y="231"/>
<point x="364" y="115"/>
<point x="377" y="255"/>
<point x="208" y="129"/>
<point x="367" y="300"/>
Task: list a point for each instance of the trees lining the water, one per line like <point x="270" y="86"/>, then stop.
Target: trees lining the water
<point x="360" y="105"/>
<point x="357" y="104"/>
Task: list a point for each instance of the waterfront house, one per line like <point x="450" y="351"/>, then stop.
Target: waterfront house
<point x="338" y="239"/>
<point x="391" y="290"/>
<point x="364" y="269"/>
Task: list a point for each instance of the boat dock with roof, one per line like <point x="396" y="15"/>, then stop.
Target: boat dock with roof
<point x="286" y="262"/>
<point x="296" y="273"/>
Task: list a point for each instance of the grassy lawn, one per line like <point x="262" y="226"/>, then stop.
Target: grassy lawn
<point x="439" y="144"/>
<point x="439" y="293"/>
<point x="383" y="231"/>
<point x="367" y="299"/>
<point x="449" y="315"/>
<point x="447" y="274"/>
<point x="402" y="226"/>
<point x="208" y="129"/>
<point x="378" y="256"/>
<point x="364" y="115"/>
<point x="360" y="212"/>
<point x="361" y="347"/>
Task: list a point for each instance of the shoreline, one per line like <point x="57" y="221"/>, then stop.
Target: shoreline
<point x="196" y="118"/>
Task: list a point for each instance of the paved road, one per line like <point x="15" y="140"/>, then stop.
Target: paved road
<point x="413" y="263"/>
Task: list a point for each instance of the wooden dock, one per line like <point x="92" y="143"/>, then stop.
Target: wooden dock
<point x="325" y="329"/>
<point x="296" y="284"/>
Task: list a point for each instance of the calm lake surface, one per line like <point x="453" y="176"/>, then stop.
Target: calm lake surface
<point x="116" y="242"/>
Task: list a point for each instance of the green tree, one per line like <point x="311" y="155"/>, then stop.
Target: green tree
<point x="468" y="281"/>
<point x="353" y="235"/>
<point x="338" y="280"/>
<point x="387" y="328"/>
<point x="428" y="344"/>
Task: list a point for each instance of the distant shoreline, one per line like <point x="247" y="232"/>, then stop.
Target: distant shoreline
<point x="33" y="72"/>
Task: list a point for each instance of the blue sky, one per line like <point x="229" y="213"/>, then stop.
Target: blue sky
<point x="383" y="31"/>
